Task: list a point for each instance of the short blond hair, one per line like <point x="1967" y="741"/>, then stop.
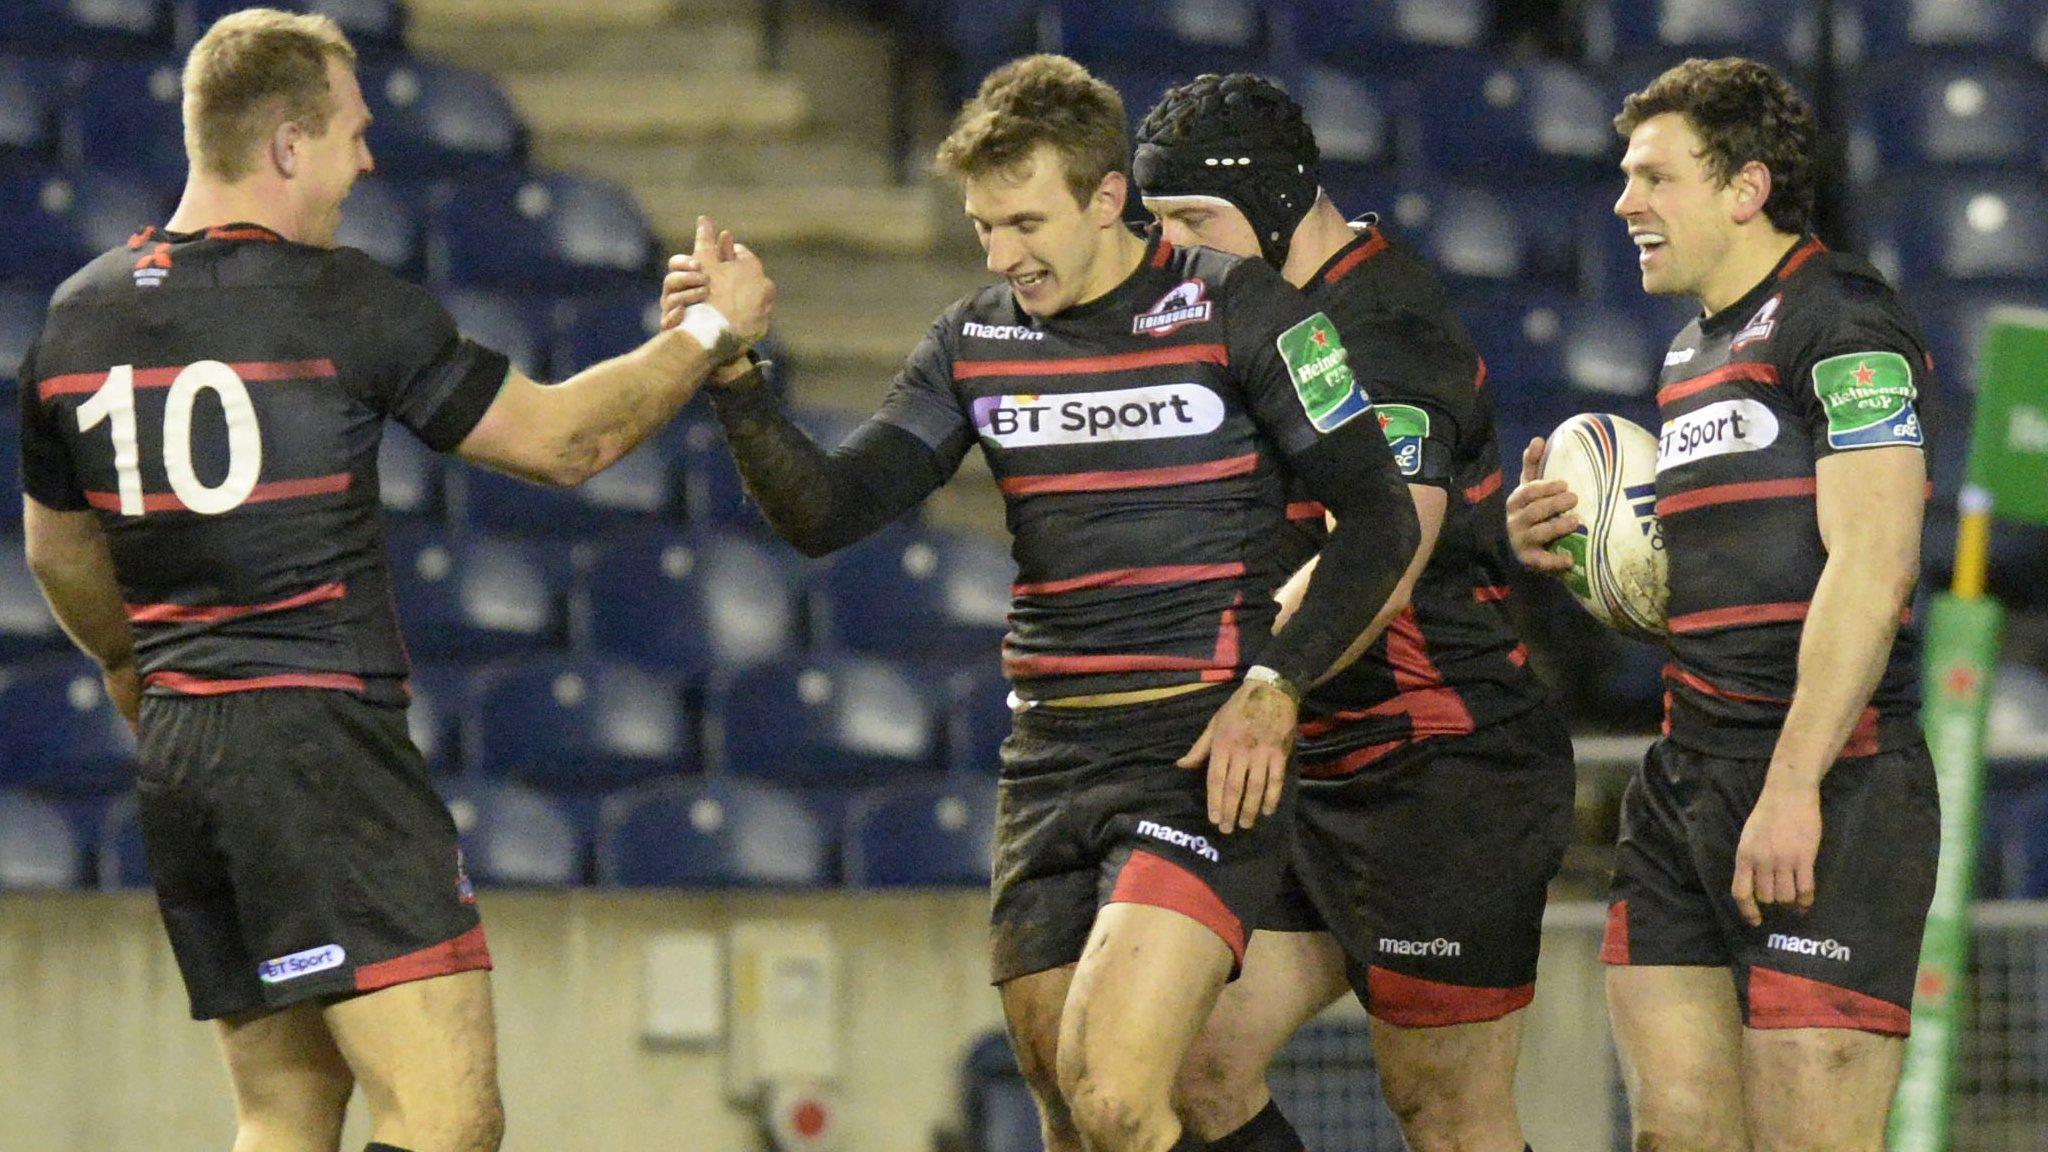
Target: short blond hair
<point x="1038" y="100"/>
<point x="253" y="70"/>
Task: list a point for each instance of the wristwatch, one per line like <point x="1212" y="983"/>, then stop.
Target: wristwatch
<point x="1260" y="674"/>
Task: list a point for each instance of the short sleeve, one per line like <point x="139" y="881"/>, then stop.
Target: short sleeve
<point x="1296" y="369"/>
<point x="46" y="471"/>
<point x="922" y="400"/>
<point x="421" y="371"/>
<point x="1859" y="386"/>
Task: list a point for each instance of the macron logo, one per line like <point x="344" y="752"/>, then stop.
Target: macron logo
<point x="1199" y="845"/>
<point x="1436" y="947"/>
<point x="301" y="964"/>
<point x="1825" y="949"/>
<point x="1000" y="331"/>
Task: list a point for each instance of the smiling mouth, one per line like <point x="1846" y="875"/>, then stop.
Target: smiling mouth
<point x="1647" y="242"/>
<point x="1031" y="280"/>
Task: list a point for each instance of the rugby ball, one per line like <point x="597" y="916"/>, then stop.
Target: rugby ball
<point x="1617" y="553"/>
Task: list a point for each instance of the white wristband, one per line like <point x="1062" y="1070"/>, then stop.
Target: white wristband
<point x="708" y="326"/>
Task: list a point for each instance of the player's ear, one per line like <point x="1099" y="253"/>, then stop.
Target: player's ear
<point x="1752" y="185"/>
<point x="1106" y="207"/>
<point x="284" y="144"/>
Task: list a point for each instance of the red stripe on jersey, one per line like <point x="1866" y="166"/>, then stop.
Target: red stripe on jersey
<point x="1736" y="494"/>
<point x="1782" y="1000"/>
<point x="1518" y="655"/>
<point x="263" y="234"/>
<point x="1739" y="614"/>
<point x="184" y="614"/>
<point x="74" y="383"/>
<point x="1725" y="374"/>
<point x="1863" y="737"/>
<point x="1131" y="578"/>
<point x="1614" y="941"/>
<point x="1479" y="377"/>
<point x="1160" y="883"/>
<point x="1806" y="252"/>
<point x="1086" y="365"/>
<point x="1412" y="1002"/>
<point x="1433" y="711"/>
<point x="194" y="686"/>
<point x="1221" y="665"/>
<point x="261" y="494"/>
<point x="1373" y="246"/>
<point x="1130" y="478"/>
<point x="1409" y="654"/>
<point x="1700" y="684"/>
<point x="466" y="953"/>
<point x="1492" y="593"/>
<point x="1487" y="487"/>
<point x="1305" y="510"/>
<point x="1163" y="255"/>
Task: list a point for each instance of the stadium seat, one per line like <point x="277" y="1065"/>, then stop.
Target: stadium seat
<point x="1479" y="236"/>
<point x="640" y="486"/>
<point x="374" y="27"/>
<point x="1954" y="320"/>
<point x="473" y="598"/>
<point x="1352" y="115"/>
<point x="433" y="120"/>
<point x="926" y="834"/>
<point x="599" y="326"/>
<point x="712" y="491"/>
<point x="2023" y="847"/>
<point x="826" y="719"/>
<point x="1518" y="334"/>
<point x="37" y="846"/>
<point x="1947" y="110"/>
<point x="125" y="117"/>
<point x="1675" y="29"/>
<point x="109" y="26"/>
<point x="541" y="232"/>
<point x="1478" y="116"/>
<point x="1382" y="33"/>
<point x="31" y="91"/>
<point x="1976" y="227"/>
<point x="514" y="836"/>
<point x="10" y="457"/>
<point x="409" y="474"/>
<point x="514" y="325"/>
<point x="909" y="591"/>
<point x="576" y="727"/>
<point x="1001" y="1115"/>
<point x="2013" y="732"/>
<point x="52" y="222"/>
<point x="60" y="734"/>
<point x="1186" y="32"/>
<point x="690" y="602"/>
<point x="1874" y="30"/>
<point x="21" y="321"/>
<point x="384" y="221"/>
<point x="434" y="717"/>
<point x="123" y="861"/>
<point x="26" y="626"/>
<point x="1608" y="350"/>
<point x="977" y="720"/>
<point x="713" y="833"/>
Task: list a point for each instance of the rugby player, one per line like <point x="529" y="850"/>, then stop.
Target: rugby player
<point x="1143" y="407"/>
<point x="200" y="420"/>
<point x="1436" y="795"/>
<point x="1777" y="851"/>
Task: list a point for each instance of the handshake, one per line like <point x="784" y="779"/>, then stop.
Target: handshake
<point x="719" y="294"/>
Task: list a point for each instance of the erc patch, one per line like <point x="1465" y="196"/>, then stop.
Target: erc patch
<point x="1320" y="369"/>
<point x="1868" y="398"/>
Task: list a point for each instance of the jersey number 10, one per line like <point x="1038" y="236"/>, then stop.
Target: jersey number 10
<point x="115" y="402"/>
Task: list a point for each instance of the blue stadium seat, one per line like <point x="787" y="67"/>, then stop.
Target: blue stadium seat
<point x="577" y="727"/>
<point x="640" y="486"/>
<point x="1382" y="33"/>
<point x="1614" y="352"/>
<point x="52" y="222"/>
<point x="926" y="834"/>
<point x="977" y="720"/>
<point x="1977" y="227"/>
<point x="1675" y="29"/>
<point x="1518" y="334"/>
<point x="1481" y="236"/>
<point x="38" y="848"/>
<point x="60" y="734"/>
<point x="10" y="457"/>
<point x="374" y="27"/>
<point x="123" y="861"/>
<point x="2023" y="847"/>
<point x="125" y="117"/>
<point x="384" y="221"/>
<point x="1352" y="114"/>
<point x="21" y="320"/>
<point x="108" y="26"/>
<point x="826" y="719"/>
<point x="909" y="591"/>
<point x="1883" y="29"/>
<point x="597" y="327"/>
<point x="2013" y="735"/>
<point x="712" y="491"/>
<point x="31" y="91"/>
<point x="1479" y="116"/>
<point x="1953" y="321"/>
<point x="1191" y="33"/>
<point x="514" y="836"/>
<point x="690" y="601"/>
<point x="514" y="325"/>
<point x="712" y="833"/>
<point x="432" y="120"/>
<point x="541" y="231"/>
<point x="1947" y="110"/>
<point x="26" y="626"/>
<point x="408" y="474"/>
<point x="473" y="598"/>
<point x="1001" y="1115"/>
<point x="434" y="717"/>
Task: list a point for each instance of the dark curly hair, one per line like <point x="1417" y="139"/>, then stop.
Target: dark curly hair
<point x="1742" y="111"/>
<point x="1042" y="99"/>
<point x="1239" y="106"/>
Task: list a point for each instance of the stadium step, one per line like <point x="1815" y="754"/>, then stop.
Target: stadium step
<point x="653" y="105"/>
<point x="579" y="16"/>
<point x="869" y="217"/>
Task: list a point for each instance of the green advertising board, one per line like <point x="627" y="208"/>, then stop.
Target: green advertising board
<point x="2009" y="439"/>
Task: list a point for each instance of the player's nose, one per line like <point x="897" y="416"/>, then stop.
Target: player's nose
<point x="1004" y="253"/>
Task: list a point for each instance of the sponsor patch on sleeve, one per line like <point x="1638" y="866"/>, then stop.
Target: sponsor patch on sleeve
<point x="1406" y="427"/>
<point x="1868" y="398"/>
<point x="1320" y="370"/>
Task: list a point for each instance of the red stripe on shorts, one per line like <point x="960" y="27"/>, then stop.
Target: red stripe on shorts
<point x="1160" y="883"/>
<point x="1782" y="1000"/>
<point x="466" y="953"/>
<point x="1412" y="1002"/>
<point x="1614" y="943"/>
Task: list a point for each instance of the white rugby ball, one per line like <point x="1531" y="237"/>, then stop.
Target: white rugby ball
<point x="1618" y="568"/>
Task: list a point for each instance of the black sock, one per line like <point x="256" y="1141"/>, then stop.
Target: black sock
<point x="1269" y="1131"/>
<point x="383" y="1148"/>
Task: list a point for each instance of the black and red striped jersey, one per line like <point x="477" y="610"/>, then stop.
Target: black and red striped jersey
<point x="218" y="398"/>
<point x="1818" y="358"/>
<point x="1141" y="441"/>
<point x="1450" y="662"/>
